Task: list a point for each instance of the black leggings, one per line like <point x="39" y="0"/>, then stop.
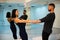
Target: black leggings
<point x="22" y="32"/>
<point x="45" y="35"/>
<point x="14" y="32"/>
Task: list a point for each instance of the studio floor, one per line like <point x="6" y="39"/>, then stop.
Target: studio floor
<point x="33" y="34"/>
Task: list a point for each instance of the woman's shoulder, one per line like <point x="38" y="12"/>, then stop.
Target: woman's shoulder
<point x="16" y="20"/>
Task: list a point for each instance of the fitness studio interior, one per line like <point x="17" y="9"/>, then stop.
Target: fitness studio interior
<point x="36" y="9"/>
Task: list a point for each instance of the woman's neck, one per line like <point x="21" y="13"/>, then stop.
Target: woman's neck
<point x="16" y="16"/>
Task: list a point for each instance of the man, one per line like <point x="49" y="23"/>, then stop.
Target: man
<point x="22" y="29"/>
<point x="48" y="22"/>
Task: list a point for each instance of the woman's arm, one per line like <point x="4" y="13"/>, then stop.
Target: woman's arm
<point x="26" y="21"/>
<point x="36" y="21"/>
<point x="21" y="21"/>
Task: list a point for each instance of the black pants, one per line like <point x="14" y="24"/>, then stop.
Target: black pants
<point x="45" y="35"/>
<point x="14" y="32"/>
<point x="22" y="32"/>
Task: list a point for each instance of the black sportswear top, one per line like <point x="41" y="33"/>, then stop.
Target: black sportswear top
<point x="22" y="17"/>
<point x="48" y="22"/>
<point x="12" y="23"/>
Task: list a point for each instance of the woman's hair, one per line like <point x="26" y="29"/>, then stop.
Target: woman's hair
<point x="24" y="10"/>
<point x="13" y="13"/>
<point x="8" y="15"/>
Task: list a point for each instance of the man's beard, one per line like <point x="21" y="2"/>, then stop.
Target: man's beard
<point x="49" y="10"/>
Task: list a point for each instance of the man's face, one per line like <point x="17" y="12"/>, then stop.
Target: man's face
<point x="24" y="12"/>
<point x="50" y="8"/>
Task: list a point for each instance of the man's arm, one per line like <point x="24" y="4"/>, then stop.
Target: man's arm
<point x="21" y="17"/>
<point x="46" y="18"/>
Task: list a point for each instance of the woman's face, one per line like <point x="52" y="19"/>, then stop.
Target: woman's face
<point x="17" y="12"/>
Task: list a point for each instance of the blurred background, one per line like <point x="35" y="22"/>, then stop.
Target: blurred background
<point x="36" y="9"/>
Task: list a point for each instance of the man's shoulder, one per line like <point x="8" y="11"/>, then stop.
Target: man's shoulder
<point x="25" y="15"/>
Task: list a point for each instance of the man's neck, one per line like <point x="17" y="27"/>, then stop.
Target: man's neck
<point x="24" y="14"/>
<point x="51" y="11"/>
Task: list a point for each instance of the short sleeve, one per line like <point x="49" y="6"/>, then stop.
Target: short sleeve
<point x="23" y="17"/>
<point x="47" y="18"/>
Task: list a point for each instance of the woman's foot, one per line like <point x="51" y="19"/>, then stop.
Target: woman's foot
<point x="15" y="39"/>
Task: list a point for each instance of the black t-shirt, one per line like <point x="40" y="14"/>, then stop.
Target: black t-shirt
<point x="12" y="24"/>
<point x="48" y="22"/>
<point x="24" y="17"/>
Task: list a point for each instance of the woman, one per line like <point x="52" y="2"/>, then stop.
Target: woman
<point x="17" y="20"/>
<point x="12" y="25"/>
<point x="22" y="31"/>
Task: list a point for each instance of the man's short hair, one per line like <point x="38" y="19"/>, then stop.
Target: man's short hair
<point x="52" y="4"/>
<point x="24" y="10"/>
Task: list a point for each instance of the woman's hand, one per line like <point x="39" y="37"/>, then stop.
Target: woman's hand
<point x="9" y="19"/>
<point x="35" y="21"/>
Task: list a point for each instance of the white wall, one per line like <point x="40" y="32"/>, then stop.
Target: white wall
<point x="57" y="20"/>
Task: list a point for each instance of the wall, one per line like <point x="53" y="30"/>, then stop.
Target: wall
<point x="57" y="20"/>
<point x="38" y="12"/>
<point x="1" y="15"/>
<point x="8" y="7"/>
